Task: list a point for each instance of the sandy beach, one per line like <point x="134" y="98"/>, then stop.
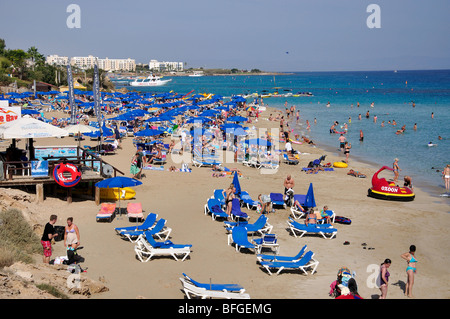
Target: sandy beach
<point x="386" y="226"/>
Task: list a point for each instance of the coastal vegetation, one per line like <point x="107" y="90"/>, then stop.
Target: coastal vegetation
<point x="18" y="242"/>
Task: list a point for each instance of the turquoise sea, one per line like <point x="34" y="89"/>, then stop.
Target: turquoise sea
<point x="408" y="97"/>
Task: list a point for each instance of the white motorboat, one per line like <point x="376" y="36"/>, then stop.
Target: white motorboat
<point x="151" y="80"/>
<point x="196" y="74"/>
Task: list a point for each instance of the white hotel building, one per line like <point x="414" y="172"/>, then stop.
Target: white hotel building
<point x="158" y="66"/>
<point x="89" y="62"/>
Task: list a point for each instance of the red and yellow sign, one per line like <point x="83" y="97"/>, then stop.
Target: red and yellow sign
<point x="9" y="114"/>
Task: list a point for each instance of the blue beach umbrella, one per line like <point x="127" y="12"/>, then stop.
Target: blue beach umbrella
<point x="309" y="200"/>
<point x="236" y="184"/>
<point x="118" y="182"/>
<point x="237" y="119"/>
<point x="259" y="141"/>
<point x="30" y="111"/>
<point x="148" y="132"/>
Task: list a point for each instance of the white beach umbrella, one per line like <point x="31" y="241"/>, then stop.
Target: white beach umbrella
<point x="80" y="128"/>
<point x="29" y="128"/>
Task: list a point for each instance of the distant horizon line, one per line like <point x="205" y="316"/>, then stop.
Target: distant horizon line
<point x="385" y="70"/>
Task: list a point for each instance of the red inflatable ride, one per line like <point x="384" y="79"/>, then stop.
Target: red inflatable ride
<point x="382" y="189"/>
<point x="66" y="174"/>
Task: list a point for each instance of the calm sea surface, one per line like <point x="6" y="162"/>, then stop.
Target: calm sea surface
<point x="406" y="97"/>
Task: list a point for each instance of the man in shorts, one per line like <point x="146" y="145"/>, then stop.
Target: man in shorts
<point x="47" y="236"/>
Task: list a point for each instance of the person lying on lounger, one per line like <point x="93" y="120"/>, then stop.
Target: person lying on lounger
<point x="355" y="173"/>
<point x="314" y="170"/>
<point x="219" y="171"/>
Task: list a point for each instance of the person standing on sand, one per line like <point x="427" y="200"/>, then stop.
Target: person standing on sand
<point x="396" y="169"/>
<point x="384" y="278"/>
<point x="446" y="177"/>
<point x="347" y="147"/>
<point x="71" y="235"/>
<point x="410" y="270"/>
<point x="342" y="141"/>
<point x="288" y="187"/>
<point x="47" y="236"/>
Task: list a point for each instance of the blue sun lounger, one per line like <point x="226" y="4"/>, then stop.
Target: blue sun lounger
<point x="146" y="247"/>
<point x="147" y="224"/>
<point x="298" y="256"/>
<point x="219" y="196"/>
<point x="158" y="230"/>
<point x="239" y="237"/>
<point x="236" y="212"/>
<point x="259" y="226"/>
<point x="213" y="207"/>
<point x="277" y="199"/>
<point x="221" y="287"/>
<point x="321" y="229"/>
<point x="205" y="290"/>
<point x="303" y="264"/>
<point x="248" y="201"/>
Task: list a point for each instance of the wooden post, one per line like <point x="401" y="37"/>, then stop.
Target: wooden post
<point x="69" y="195"/>
<point x="39" y="193"/>
<point x="97" y="196"/>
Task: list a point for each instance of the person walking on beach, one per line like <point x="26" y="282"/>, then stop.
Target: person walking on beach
<point x="410" y="270"/>
<point x="396" y="169"/>
<point x="384" y="278"/>
<point x="47" y="236"/>
<point x="446" y="177"/>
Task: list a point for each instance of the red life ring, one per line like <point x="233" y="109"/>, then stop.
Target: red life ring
<point x="66" y="175"/>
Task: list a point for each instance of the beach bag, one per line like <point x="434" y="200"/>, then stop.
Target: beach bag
<point x="60" y="231"/>
<point x="342" y="220"/>
<point x="258" y="208"/>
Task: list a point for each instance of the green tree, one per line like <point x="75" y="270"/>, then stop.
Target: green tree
<point x="18" y="59"/>
<point x="36" y="57"/>
<point x="2" y="47"/>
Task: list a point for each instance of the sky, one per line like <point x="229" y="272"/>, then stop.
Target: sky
<point x="270" y="35"/>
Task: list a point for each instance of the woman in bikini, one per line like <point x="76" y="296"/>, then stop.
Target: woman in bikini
<point x="410" y="270"/>
<point x="310" y="218"/>
<point x="71" y="235"/>
<point x="229" y="196"/>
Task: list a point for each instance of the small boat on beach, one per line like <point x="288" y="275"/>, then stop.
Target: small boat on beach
<point x="151" y="80"/>
<point x="382" y="189"/>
